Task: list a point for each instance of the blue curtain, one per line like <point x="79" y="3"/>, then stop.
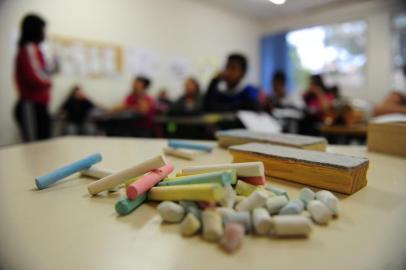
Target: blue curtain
<point x="275" y="56"/>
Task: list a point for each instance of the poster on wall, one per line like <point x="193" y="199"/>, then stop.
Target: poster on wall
<point x="179" y="68"/>
<point x="140" y="61"/>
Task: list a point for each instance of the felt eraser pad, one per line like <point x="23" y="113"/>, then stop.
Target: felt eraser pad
<point x="335" y="172"/>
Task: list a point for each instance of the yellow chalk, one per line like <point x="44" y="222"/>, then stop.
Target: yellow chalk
<point x="198" y="192"/>
<point x="245" y="189"/>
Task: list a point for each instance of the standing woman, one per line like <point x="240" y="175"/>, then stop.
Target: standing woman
<point x="33" y="82"/>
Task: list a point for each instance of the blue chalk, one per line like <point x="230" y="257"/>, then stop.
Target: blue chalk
<point x="48" y="179"/>
<point x="189" y="145"/>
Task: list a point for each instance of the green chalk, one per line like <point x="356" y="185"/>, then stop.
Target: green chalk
<point x="223" y="178"/>
<point x="126" y="206"/>
<point x="277" y="191"/>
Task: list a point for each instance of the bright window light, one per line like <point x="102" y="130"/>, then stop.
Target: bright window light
<point x="278" y="2"/>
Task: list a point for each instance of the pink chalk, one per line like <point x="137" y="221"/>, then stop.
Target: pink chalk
<point x="233" y="236"/>
<point x="205" y="205"/>
<point x="147" y="181"/>
<point x="254" y="180"/>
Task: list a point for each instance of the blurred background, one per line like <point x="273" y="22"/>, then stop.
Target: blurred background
<point x="145" y="68"/>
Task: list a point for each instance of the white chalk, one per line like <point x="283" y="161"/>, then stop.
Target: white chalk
<point x="245" y="169"/>
<point x="233" y="236"/>
<point x="319" y="212"/>
<point x="243" y="218"/>
<point x="97" y="172"/>
<point x="224" y="210"/>
<point x="212" y="225"/>
<point x="290" y="226"/>
<point x="275" y="204"/>
<point x="229" y="197"/>
<point x="329" y="200"/>
<point x="179" y="153"/>
<point x="261" y="220"/>
<point x="255" y="200"/>
<point x="190" y="225"/>
<point x="294" y="207"/>
<point x="171" y="212"/>
<point x="120" y="177"/>
<point x="306" y="195"/>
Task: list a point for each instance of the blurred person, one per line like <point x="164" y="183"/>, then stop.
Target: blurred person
<point x="190" y="103"/>
<point x="317" y="97"/>
<point x="228" y="92"/>
<point x="139" y="102"/>
<point x="76" y="109"/>
<point x="395" y="102"/>
<point x="33" y="81"/>
<point x="163" y="102"/>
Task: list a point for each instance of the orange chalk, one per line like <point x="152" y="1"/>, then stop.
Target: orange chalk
<point x="147" y="181"/>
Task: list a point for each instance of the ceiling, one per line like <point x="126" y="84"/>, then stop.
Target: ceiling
<point x="264" y="10"/>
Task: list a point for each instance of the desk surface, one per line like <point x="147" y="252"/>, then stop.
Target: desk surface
<point x="63" y="228"/>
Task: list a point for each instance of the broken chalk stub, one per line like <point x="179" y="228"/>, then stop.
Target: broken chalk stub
<point x="306" y="195"/>
<point x="190" y="225"/>
<point x="319" y="212"/>
<point x="275" y="204"/>
<point x="212" y="225"/>
<point x="171" y="212"/>
<point x="261" y="220"/>
<point x="233" y="236"/>
<point x="294" y="207"/>
<point x="290" y="226"/>
<point x="255" y="200"/>
<point x="329" y="200"/>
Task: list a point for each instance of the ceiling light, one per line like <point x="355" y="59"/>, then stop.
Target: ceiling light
<point x="278" y="2"/>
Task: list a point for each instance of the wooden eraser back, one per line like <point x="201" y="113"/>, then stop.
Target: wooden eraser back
<point x="335" y="172"/>
<point x="242" y="136"/>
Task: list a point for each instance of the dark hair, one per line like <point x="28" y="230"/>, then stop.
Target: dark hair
<point x="318" y="80"/>
<point x="196" y="83"/>
<point x="32" y="29"/>
<point x="279" y="75"/>
<point x="240" y="59"/>
<point x="145" y="81"/>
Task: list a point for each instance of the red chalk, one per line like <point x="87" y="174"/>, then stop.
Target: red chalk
<point x="254" y="180"/>
<point x="205" y="205"/>
<point x="147" y="181"/>
<point x="233" y="236"/>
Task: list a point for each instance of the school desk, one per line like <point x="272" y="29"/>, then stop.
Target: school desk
<point x="62" y="227"/>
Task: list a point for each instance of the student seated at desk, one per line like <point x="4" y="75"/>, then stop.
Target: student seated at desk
<point x="76" y="109"/>
<point x="139" y="102"/>
<point x="228" y="92"/>
<point x="190" y="103"/>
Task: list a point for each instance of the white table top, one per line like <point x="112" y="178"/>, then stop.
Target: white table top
<point x="62" y="227"/>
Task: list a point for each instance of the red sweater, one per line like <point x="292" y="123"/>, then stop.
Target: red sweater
<point x="32" y="79"/>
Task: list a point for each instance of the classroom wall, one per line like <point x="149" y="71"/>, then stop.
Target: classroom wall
<point x="378" y="15"/>
<point x="185" y="28"/>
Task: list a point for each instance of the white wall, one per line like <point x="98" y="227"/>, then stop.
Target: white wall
<point x="378" y="16"/>
<point x="186" y="28"/>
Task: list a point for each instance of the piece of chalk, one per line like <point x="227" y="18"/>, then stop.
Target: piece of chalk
<point x="169" y="151"/>
<point x="171" y="212"/>
<point x="224" y="210"/>
<point x="191" y="207"/>
<point x="255" y="200"/>
<point x="200" y="192"/>
<point x="261" y="220"/>
<point x="244" y="169"/>
<point x="189" y="145"/>
<point x="329" y="200"/>
<point x="229" y="197"/>
<point x="222" y="178"/>
<point x="126" y="206"/>
<point x="254" y="180"/>
<point x="276" y="190"/>
<point x="239" y="199"/>
<point x="97" y="172"/>
<point x="212" y="225"/>
<point x="275" y="204"/>
<point x="306" y="195"/>
<point x="190" y="225"/>
<point x="293" y="207"/>
<point x="147" y="181"/>
<point x="205" y="205"/>
<point x="121" y="177"/>
<point x="243" y="218"/>
<point x="233" y="236"/>
<point x="319" y="212"/>
<point x="290" y="226"/>
<point x="245" y="189"/>
<point x="48" y="179"/>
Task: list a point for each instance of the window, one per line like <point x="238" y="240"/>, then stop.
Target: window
<point x="399" y="51"/>
<point x="336" y="51"/>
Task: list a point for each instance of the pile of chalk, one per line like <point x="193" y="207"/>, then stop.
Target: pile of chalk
<point x="222" y="202"/>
